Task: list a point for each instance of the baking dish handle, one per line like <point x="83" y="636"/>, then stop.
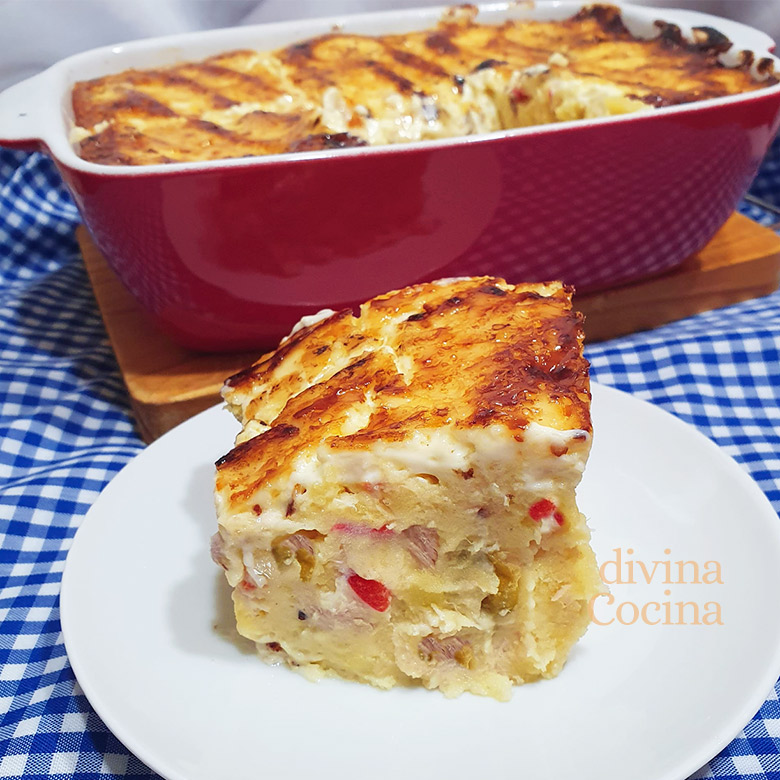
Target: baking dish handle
<point x="20" y="126"/>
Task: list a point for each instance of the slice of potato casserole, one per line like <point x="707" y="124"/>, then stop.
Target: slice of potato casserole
<point x="400" y="506"/>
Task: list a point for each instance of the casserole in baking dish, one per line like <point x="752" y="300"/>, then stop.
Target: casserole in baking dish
<point x="339" y="90"/>
<point x="229" y="253"/>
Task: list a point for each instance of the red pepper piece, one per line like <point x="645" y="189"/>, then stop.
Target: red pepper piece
<point x="246" y="584"/>
<point x="542" y="509"/>
<point x="519" y="96"/>
<point x="373" y="593"/>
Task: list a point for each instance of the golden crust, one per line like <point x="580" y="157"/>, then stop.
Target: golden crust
<point x="467" y="353"/>
<point x="244" y="103"/>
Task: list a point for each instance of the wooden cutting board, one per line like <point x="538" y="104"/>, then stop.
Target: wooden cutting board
<point x="168" y="383"/>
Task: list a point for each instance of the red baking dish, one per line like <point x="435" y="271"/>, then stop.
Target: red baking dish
<point x="229" y="254"/>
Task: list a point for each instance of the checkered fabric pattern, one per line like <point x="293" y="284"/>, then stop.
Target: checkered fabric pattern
<point x="65" y="430"/>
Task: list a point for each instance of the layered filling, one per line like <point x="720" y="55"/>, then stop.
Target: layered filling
<point x="455" y="558"/>
<point x="493" y="98"/>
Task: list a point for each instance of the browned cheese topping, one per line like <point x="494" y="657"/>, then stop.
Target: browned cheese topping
<point x="400" y="368"/>
<point x="341" y="90"/>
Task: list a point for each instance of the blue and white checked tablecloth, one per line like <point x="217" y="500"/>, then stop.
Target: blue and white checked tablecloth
<point x="66" y="430"/>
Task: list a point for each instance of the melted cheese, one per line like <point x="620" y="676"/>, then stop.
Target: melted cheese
<point x="340" y="90"/>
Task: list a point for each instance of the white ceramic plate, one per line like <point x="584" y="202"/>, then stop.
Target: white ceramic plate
<point x="148" y="629"/>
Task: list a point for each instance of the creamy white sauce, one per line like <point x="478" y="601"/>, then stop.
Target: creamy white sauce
<point x="438" y="452"/>
<point x="79" y="134"/>
<point x="309" y="320"/>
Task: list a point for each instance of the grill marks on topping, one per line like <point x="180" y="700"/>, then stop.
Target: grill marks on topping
<point x="135" y="101"/>
<point x="481" y="352"/>
<point x="362" y="63"/>
<point x="209" y="109"/>
<point x="417" y="63"/>
<point x="158" y="115"/>
<point x="635" y="83"/>
<point x="546" y="360"/>
<point x="233" y="86"/>
<point x="441" y="43"/>
<point x="402" y="84"/>
<point x="697" y="75"/>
